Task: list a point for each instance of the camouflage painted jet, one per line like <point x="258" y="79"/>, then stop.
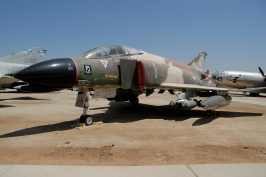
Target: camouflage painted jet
<point x="122" y="73"/>
<point x="254" y="83"/>
<point x="15" y="62"/>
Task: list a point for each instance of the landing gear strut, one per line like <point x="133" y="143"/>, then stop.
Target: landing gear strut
<point x="83" y="97"/>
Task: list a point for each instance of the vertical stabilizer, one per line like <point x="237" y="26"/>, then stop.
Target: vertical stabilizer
<point x="199" y="61"/>
<point x="207" y="78"/>
<point x="208" y="73"/>
<point x="26" y="57"/>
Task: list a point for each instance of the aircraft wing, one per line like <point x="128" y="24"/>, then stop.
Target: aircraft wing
<point x="190" y="87"/>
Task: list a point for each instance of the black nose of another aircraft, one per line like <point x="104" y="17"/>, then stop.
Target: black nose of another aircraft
<point x="57" y="73"/>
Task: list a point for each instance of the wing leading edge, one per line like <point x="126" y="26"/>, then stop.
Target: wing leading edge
<point x="191" y="87"/>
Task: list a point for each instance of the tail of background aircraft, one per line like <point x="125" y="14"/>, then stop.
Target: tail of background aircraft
<point x="199" y="61"/>
<point x="26" y="57"/>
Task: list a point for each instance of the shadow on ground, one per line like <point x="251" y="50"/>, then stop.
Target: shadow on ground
<point x="6" y="106"/>
<point x="62" y="126"/>
<point x="25" y="98"/>
<point x="123" y="113"/>
<point x="22" y="98"/>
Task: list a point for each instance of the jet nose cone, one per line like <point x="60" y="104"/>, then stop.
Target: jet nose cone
<point x="57" y="73"/>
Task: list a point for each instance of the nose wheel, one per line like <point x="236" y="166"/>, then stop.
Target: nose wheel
<point x="86" y="119"/>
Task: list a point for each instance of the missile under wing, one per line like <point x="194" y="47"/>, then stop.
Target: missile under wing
<point x="122" y="73"/>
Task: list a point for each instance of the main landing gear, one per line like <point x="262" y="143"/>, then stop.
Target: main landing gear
<point x="134" y="100"/>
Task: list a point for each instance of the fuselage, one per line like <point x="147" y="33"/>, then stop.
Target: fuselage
<point x="111" y="66"/>
<point x="7" y="70"/>
<point x="11" y="68"/>
<point x="128" y="69"/>
<point x="238" y="79"/>
<point x="11" y="64"/>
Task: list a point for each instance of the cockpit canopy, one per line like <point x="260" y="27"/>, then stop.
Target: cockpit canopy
<point x="107" y="51"/>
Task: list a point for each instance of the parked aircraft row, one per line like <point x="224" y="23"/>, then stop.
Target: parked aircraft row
<point x="122" y="73"/>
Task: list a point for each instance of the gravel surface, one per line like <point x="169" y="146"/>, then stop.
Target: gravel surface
<point x="42" y="129"/>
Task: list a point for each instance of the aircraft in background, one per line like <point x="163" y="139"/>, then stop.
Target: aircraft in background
<point x="122" y="73"/>
<point x="16" y="62"/>
<point x="254" y="83"/>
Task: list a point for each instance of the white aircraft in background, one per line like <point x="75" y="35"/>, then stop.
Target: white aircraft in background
<point x="16" y="62"/>
<point x="254" y="83"/>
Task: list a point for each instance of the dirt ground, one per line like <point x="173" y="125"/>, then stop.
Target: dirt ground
<point x="41" y="129"/>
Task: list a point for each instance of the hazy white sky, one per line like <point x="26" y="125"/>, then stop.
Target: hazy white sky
<point x="233" y="33"/>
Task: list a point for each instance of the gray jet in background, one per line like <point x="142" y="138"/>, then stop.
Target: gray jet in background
<point x="16" y="62"/>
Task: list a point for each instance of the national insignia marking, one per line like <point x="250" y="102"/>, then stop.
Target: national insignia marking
<point x="105" y="63"/>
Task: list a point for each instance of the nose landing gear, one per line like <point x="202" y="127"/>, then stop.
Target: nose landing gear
<point x="87" y="120"/>
<point x="83" y="101"/>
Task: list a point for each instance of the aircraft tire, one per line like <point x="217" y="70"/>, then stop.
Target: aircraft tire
<point x="82" y="119"/>
<point x="88" y="120"/>
<point x="134" y="101"/>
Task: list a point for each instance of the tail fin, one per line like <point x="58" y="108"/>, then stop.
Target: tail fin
<point x="26" y="57"/>
<point x="199" y="61"/>
<point x="208" y="73"/>
<point x="207" y="77"/>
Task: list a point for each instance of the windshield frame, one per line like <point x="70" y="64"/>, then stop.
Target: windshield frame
<point x="109" y="51"/>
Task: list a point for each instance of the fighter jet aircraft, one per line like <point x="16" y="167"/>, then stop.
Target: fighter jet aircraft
<point x="122" y="73"/>
<point x="251" y="82"/>
<point x="15" y="62"/>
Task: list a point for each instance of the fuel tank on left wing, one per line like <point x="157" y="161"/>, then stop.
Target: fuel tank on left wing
<point x="216" y="101"/>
